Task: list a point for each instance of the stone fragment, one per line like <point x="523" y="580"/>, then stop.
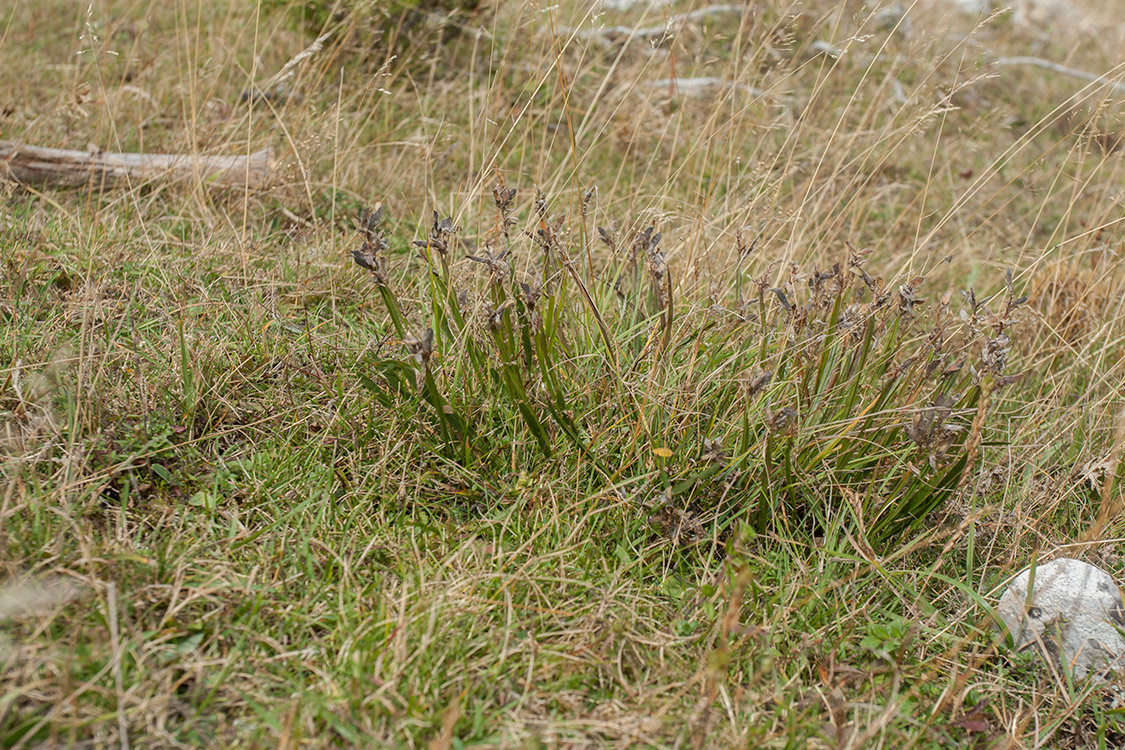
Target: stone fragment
<point x="1074" y="616"/>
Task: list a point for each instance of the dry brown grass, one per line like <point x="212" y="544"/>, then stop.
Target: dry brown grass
<point x="269" y="559"/>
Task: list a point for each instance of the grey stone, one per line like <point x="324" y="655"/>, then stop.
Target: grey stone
<point x="892" y="17"/>
<point x="1073" y="616"/>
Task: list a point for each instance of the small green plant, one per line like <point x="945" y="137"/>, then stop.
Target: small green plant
<point x="885" y="638"/>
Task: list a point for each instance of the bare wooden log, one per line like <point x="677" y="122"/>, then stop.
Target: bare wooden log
<point x="35" y="165"/>
<point x="611" y="34"/>
<point x="702" y="86"/>
<point x="1083" y="75"/>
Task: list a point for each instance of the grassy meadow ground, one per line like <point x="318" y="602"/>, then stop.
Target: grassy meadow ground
<point x="726" y="440"/>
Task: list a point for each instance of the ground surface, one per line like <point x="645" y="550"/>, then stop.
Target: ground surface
<point x="753" y="482"/>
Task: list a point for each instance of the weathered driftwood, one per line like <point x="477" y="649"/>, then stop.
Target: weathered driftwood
<point x="1083" y="75"/>
<point x="609" y="35"/>
<point x="35" y="165"/>
<point x="702" y="86"/>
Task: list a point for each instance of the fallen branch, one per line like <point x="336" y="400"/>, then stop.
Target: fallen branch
<point x="611" y="34"/>
<point x="35" y="165"/>
<point x="702" y="86"/>
<point x="630" y="4"/>
<point x="1039" y="62"/>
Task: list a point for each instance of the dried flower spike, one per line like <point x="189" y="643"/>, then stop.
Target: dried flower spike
<point x="496" y="262"/>
<point x="370" y="256"/>
<point x="440" y="233"/>
<point x="421" y="347"/>
<point x="504" y="198"/>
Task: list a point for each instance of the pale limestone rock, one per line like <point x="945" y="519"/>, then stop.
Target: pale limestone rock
<point x="1074" y="616"/>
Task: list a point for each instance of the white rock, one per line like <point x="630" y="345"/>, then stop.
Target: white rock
<point x="1073" y="617"/>
<point x="630" y="4"/>
<point x="1047" y="14"/>
<point x="973" y="7"/>
<point x="892" y="17"/>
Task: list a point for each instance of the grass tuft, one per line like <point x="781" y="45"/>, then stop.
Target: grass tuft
<point x="699" y="375"/>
